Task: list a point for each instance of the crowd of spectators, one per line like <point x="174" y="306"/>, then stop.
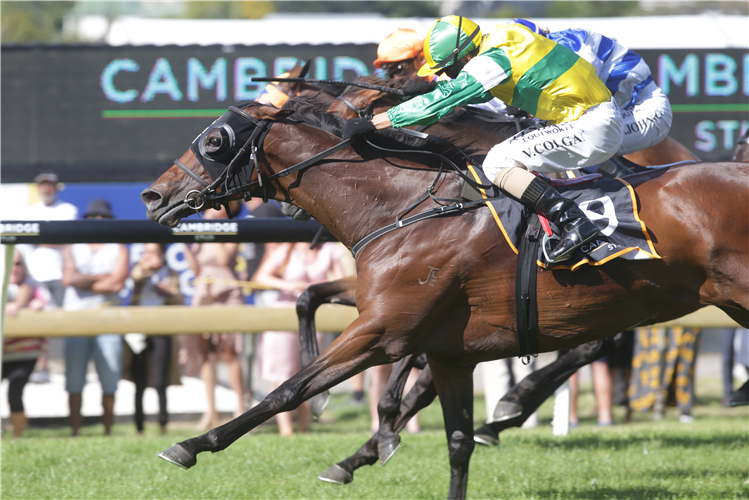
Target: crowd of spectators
<point x="88" y="276"/>
<point x="654" y="369"/>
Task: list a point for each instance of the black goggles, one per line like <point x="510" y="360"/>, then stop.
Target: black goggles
<point x="220" y="143"/>
<point x="397" y="68"/>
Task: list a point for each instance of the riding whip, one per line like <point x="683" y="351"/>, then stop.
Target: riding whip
<point x="331" y="82"/>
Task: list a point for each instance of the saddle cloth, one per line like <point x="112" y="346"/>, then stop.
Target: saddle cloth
<point x="609" y="203"/>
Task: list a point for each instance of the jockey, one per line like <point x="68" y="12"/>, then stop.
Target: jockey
<point x="645" y="109"/>
<point x="529" y="71"/>
<point x="400" y="54"/>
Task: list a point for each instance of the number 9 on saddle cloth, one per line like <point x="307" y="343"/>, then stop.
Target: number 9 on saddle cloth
<point x="608" y="203"/>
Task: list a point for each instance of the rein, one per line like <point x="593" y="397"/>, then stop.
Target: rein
<point x="283" y="173"/>
<point x="254" y="142"/>
<point x="381" y="88"/>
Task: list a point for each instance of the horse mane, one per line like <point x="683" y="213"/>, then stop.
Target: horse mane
<point x="313" y="114"/>
<point x="411" y="86"/>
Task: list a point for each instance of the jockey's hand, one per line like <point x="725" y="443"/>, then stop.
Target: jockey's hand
<point x="357" y="126"/>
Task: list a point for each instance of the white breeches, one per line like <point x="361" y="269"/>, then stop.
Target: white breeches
<point x="591" y="139"/>
<point x="647" y="122"/>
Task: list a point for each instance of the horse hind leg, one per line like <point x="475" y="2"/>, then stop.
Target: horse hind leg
<point x="528" y="394"/>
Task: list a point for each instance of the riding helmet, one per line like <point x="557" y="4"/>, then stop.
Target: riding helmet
<point x="449" y="39"/>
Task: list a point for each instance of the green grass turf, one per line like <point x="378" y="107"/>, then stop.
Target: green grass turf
<point x="640" y="460"/>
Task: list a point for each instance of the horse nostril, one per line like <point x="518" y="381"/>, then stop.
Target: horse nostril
<point x="150" y="198"/>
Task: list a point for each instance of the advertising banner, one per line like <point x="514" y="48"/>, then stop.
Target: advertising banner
<point x="122" y="114"/>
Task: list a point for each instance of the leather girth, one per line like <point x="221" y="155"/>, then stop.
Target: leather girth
<point x="526" y="306"/>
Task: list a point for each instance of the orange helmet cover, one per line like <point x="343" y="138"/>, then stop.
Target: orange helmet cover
<point x="399" y="45"/>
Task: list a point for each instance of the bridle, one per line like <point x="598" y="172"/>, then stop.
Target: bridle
<point x="359" y="112"/>
<point x="209" y="191"/>
<point x="212" y="195"/>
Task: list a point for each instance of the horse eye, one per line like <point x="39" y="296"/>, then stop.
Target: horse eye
<point x="217" y="141"/>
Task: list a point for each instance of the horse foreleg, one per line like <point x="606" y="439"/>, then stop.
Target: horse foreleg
<point x="392" y="409"/>
<point x="455" y="388"/>
<point x="388" y="408"/>
<point x="340" y="292"/>
<point x="358" y="348"/>
<point x="419" y="397"/>
<point x="525" y="397"/>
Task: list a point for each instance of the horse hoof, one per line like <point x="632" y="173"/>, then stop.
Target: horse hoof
<point x="387" y="448"/>
<point x="506" y="410"/>
<point x="336" y="475"/>
<point x="318" y="403"/>
<point x="487" y="437"/>
<point x="179" y="456"/>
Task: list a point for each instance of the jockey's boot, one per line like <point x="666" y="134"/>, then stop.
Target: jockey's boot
<point x="614" y="167"/>
<point x="577" y="228"/>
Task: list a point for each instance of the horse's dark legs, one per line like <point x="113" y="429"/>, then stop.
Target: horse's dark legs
<point x="741" y="396"/>
<point x="536" y="388"/>
<point x="455" y="389"/>
<point x="420" y="396"/>
<point x="389" y="406"/>
<point x="339" y="292"/>
<point x="358" y="348"/>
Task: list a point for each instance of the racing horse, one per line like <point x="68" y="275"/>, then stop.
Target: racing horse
<point x="527" y="396"/>
<point x="464" y="313"/>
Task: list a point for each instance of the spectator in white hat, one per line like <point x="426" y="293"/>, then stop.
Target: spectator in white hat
<point x="44" y="262"/>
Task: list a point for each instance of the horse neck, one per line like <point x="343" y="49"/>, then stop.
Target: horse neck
<point x="348" y="194"/>
<point x="362" y="100"/>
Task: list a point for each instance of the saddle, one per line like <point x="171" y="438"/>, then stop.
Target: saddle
<point x="609" y="203"/>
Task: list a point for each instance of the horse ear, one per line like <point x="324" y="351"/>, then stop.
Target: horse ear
<point x="271" y="113"/>
<point x="305" y="69"/>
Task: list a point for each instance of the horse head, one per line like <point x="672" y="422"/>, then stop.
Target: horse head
<point x="357" y="101"/>
<point x="263" y="151"/>
<point x="211" y="167"/>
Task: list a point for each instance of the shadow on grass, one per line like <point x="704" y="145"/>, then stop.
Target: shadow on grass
<point x="597" y="441"/>
<point x="598" y="493"/>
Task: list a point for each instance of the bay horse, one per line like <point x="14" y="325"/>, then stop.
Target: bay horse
<point x="527" y="395"/>
<point x="468" y="315"/>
